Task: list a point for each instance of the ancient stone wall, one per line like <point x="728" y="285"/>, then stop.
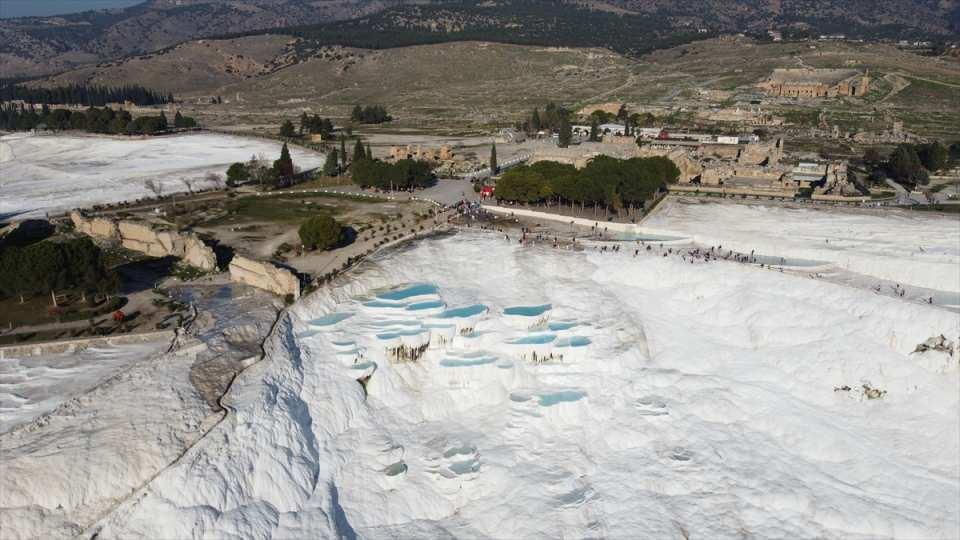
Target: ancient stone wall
<point x="264" y="275"/>
<point x="144" y="238"/>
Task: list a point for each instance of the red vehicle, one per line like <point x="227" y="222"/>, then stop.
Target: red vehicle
<point x="486" y="191"/>
<point x="119" y="316"/>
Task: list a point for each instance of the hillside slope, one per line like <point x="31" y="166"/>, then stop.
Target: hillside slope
<point x="41" y="45"/>
<point x="32" y="46"/>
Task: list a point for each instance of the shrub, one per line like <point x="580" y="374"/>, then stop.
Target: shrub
<point x="320" y="232"/>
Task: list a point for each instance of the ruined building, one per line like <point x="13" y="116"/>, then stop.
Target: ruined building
<point x="816" y="83"/>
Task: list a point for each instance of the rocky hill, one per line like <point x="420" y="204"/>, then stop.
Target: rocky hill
<point x="32" y="46"/>
<point x="41" y="45"/>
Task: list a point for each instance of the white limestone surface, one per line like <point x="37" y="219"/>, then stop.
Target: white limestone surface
<point x="910" y="248"/>
<point x="42" y="174"/>
<point x="707" y="400"/>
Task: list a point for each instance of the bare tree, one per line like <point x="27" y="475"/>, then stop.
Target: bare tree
<point x="188" y="183"/>
<point x="155" y="187"/>
<point x="215" y="180"/>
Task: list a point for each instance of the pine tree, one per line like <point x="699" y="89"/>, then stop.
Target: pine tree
<point x="535" y="121"/>
<point x="287" y="130"/>
<point x="331" y="167"/>
<point x="284" y="165"/>
<point x="343" y="152"/>
<point x="565" y="133"/>
<point x="494" y="168"/>
<point x="359" y="154"/>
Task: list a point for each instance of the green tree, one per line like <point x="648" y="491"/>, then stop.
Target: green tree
<point x="934" y="156"/>
<point x="237" y="174"/>
<point x="535" y="121"/>
<point x="594" y="129"/>
<point x="287" y="130"/>
<point x="343" y="153"/>
<point x="331" y="166"/>
<point x="359" y="154"/>
<point x="904" y="164"/>
<point x="284" y="165"/>
<point x="494" y="169"/>
<point x="565" y="133"/>
<point x="320" y="232"/>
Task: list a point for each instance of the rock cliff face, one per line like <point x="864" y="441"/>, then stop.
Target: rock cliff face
<point x="264" y="275"/>
<point x="143" y="238"/>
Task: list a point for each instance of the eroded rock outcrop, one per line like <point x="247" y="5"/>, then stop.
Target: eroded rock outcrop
<point x="144" y="238"/>
<point x="264" y="275"/>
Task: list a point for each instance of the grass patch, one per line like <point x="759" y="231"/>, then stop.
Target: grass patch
<point x="291" y="208"/>
<point x="945" y="208"/>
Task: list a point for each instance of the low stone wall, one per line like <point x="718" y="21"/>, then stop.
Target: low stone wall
<point x="782" y="194"/>
<point x="74" y="345"/>
<point x="143" y="238"/>
<point x="584" y="222"/>
<point x="264" y="275"/>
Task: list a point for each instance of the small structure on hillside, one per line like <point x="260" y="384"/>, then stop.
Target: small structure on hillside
<point x="816" y="83"/>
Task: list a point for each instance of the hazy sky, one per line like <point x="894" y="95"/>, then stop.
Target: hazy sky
<point x="23" y="8"/>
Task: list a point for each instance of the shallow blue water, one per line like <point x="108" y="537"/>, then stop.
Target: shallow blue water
<point x="528" y="311"/>
<point x="430" y="304"/>
<point x="466" y="311"/>
<point x="574" y="341"/>
<point x="382" y="304"/>
<point x="535" y="339"/>
<point x="392" y="335"/>
<point x="564" y="396"/>
<point x="467" y="362"/>
<point x="330" y="319"/>
<point x="416" y="289"/>
<point x="557" y="326"/>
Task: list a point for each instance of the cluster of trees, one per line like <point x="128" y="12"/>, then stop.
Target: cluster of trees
<point x="552" y="117"/>
<point x="911" y="163"/>
<point x="371" y="114"/>
<point x="262" y="172"/>
<point x="43" y="267"/>
<point x="94" y="120"/>
<point x="528" y="22"/>
<point x="320" y="232"/>
<point x="314" y="124"/>
<point x="605" y="181"/>
<point x="404" y="174"/>
<point x="94" y="96"/>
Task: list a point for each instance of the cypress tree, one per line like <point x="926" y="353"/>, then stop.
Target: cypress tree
<point x="343" y="152"/>
<point x="594" y="129"/>
<point x="493" y="159"/>
<point x="565" y="133"/>
<point x="359" y="154"/>
<point x="332" y="164"/>
<point x="284" y="165"/>
<point x="369" y="152"/>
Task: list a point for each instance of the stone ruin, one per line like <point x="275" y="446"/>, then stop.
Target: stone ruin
<point x="444" y="153"/>
<point x="144" y="238"/>
<point x="264" y="275"/>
